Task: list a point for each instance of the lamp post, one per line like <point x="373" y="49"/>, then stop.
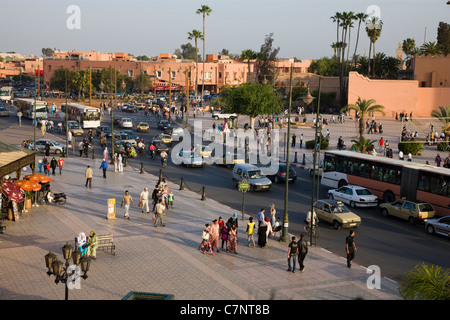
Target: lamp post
<point x="285" y="235"/>
<point x="67" y="124"/>
<point x="66" y="273"/>
<point x="308" y="99"/>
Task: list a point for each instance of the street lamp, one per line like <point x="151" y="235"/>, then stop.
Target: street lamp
<point x="65" y="273"/>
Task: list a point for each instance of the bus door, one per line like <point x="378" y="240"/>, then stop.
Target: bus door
<point x="409" y="183"/>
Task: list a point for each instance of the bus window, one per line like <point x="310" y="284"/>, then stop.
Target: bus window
<point x="330" y="164"/>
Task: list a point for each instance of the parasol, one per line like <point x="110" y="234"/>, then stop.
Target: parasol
<point x="30" y="186"/>
<point x="38" y="178"/>
<point x="12" y="191"/>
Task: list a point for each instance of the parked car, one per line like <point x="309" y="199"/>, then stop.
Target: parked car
<point x="163" y="124"/>
<point x="189" y="159"/>
<point x="355" y="196"/>
<point x="439" y="226"/>
<point x="4" y="112"/>
<point x="223" y="116"/>
<point x="140" y="106"/>
<point x="229" y="159"/>
<point x="55" y="147"/>
<point x="126" y="123"/>
<point x="131" y="109"/>
<point x="142" y="127"/>
<point x="105" y="129"/>
<point x="125" y="106"/>
<point x="336" y="213"/>
<point x="277" y="173"/>
<point x="75" y="128"/>
<point x="408" y="210"/>
<point x="253" y="175"/>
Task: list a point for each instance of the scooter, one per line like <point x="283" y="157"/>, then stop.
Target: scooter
<point x="2" y="228"/>
<point x="164" y="162"/>
<point x="341" y="146"/>
<point x="59" y="198"/>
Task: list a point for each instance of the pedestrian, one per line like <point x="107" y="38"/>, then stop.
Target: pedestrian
<point x="447" y="162"/>
<point x="206" y="245"/>
<point x="409" y="157"/>
<point x="214" y="235"/>
<point x="88" y="176"/>
<point x="69" y="137"/>
<point x="86" y="148"/>
<point x="261" y="216"/>
<point x="127" y="201"/>
<point x="19" y="117"/>
<point x="386" y="147"/>
<point x="294" y="139"/>
<point x="40" y="165"/>
<point x="45" y="164"/>
<point x="47" y="148"/>
<point x="301" y="140"/>
<point x="43" y="129"/>
<point x="262" y="234"/>
<point x="224" y="236"/>
<point x="250" y="231"/>
<point x="272" y="214"/>
<point x="232" y="239"/>
<point x="115" y="162"/>
<point x="159" y="212"/>
<point x="81" y="243"/>
<point x="80" y="147"/>
<point x="60" y="164"/>
<point x="400" y="155"/>
<point x="170" y="199"/>
<point x="381" y="144"/>
<point x="143" y="200"/>
<point x="438" y="160"/>
<point x="119" y="163"/>
<point x="302" y="252"/>
<point x="292" y="254"/>
<point x="104" y="166"/>
<point x="269" y="228"/>
<point x="350" y="248"/>
<point x="106" y="154"/>
<point x="53" y="165"/>
<point x="92" y="245"/>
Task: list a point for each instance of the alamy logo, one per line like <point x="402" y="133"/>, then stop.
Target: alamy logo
<point x="374" y="280"/>
<point x="373" y="17"/>
<point x="73" y="22"/>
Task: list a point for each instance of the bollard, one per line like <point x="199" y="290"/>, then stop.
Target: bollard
<point x="93" y="153"/>
<point x="142" y="167"/>
<point x="124" y="161"/>
<point x="303" y="161"/>
<point x="295" y="158"/>
<point x="182" y="184"/>
<point x="203" y="194"/>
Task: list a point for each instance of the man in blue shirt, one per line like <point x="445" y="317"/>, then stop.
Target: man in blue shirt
<point x="104" y="166"/>
<point x="261" y="216"/>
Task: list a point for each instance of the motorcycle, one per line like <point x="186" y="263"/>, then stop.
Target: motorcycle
<point x="164" y="162"/>
<point x="59" y="198"/>
<point x="341" y="146"/>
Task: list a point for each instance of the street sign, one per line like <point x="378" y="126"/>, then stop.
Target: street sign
<point x="244" y="186"/>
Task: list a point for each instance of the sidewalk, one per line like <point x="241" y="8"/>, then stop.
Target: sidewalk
<point x="162" y="260"/>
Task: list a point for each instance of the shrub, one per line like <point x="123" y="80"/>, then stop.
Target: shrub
<point x="443" y="146"/>
<point x="323" y="144"/>
<point x="410" y="147"/>
<point x="363" y="145"/>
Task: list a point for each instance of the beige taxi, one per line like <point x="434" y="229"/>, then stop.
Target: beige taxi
<point x="336" y="213"/>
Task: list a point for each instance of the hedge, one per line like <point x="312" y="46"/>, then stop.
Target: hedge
<point x="323" y="144"/>
<point x="410" y="147"/>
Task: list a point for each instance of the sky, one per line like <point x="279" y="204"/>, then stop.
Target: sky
<point x="301" y="29"/>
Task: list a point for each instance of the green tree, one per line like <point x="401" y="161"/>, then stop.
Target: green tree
<point x="426" y="283"/>
<point x="47" y="52"/>
<point x="248" y="55"/>
<point x="363" y="145"/>
<point x="142" y="58"/>
<point x="265" y="59"/>
<point x="204" y="11"/>
<point x="58" y="79"/>
<point x="408" y="47"/>
<point x="443" y="37"/>
<point x="142" y="82"/>
<point x="364" y="108"/>
<point x="337" y="19"/>
<point x="431" y="48"/>
<point x="252" y="99"/>
<point x="81" y="81"/>
<point x="373" y="30"/>
<point x="361" y="17"/>
<point x="195" y="34"/>
<point x="327" y="67"/>
<point x="189" y="52"/>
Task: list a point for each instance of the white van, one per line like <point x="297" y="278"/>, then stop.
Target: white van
<point x="258" y="181"/>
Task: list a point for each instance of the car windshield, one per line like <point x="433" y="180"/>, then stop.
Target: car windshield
<point x="425" y="207"/>
<point x="256" y="174"/>
<point x="339" y="208"/>
<point x="74" y="125"/>
<point x="363" y="192"/>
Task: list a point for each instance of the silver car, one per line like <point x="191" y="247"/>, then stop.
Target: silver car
<point x="55" y="147"/>
<point x="440" y="226"/>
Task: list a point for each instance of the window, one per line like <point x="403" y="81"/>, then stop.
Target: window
<point x="220" y="75"/>
<point x="130" y="73"/>
<point x="208" y="75"/>
<point x="158" y="74"/>
<point x="173" y="74"/>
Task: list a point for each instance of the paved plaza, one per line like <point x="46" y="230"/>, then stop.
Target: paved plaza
<point x="162" y="259"/>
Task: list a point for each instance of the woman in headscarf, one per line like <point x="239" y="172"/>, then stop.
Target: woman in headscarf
<point x="232" y="239"/>
<point x="81" y="243"/>
<point x="214" y="235"/>
<point x="262" y="234"/>
<point x="119" y="163"/>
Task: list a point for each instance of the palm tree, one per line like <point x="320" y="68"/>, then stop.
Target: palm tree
<point x="373" y="29"/>
<point x="431" y="48"/>
<point x="205" y="11"/>
<point x="408" y="48"/>
<point x="351" y="17"/>
<point x="361" y="17"/>
<point x="426" y="283"/>
<point x="364" y="108"/>
<point x="81" y="80"/>
<point x="443" y="116"/>
<point x="248" y="55"/>
<point x="337" y="18"/>
<point x="195" y="34"/>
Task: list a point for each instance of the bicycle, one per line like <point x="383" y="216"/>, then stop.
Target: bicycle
<point x="315" y="229"/>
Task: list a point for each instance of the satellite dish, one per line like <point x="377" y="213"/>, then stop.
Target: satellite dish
<point x="174" y="56"/>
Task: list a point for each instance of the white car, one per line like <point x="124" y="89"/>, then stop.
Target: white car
<point x="190" y="159"/>
<point x="126" y="123"/>
<point x="218" y="115"/>
<point x="440" y="226"/>
<point x="355" y="196"/>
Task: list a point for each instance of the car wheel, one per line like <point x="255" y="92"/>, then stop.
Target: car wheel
<point x="235" y="183"/>
<point x="412" y="220"/>
<point x="336" y="225"/>
<point x="57" y="151"/>
<point x="388" y="197"/>
<point x="342" y="183"/>
<point x="330" y="196"/>
<point x="216" y="118"/>
<point x="430" y="229"/>
<point x="352" y="204"/>
<point x="277" y="180"/>
<point x="385" y="212"/>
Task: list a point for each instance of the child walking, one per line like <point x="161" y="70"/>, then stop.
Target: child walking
<point x="206" y="245"/>
<point x="170" y="199"/>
